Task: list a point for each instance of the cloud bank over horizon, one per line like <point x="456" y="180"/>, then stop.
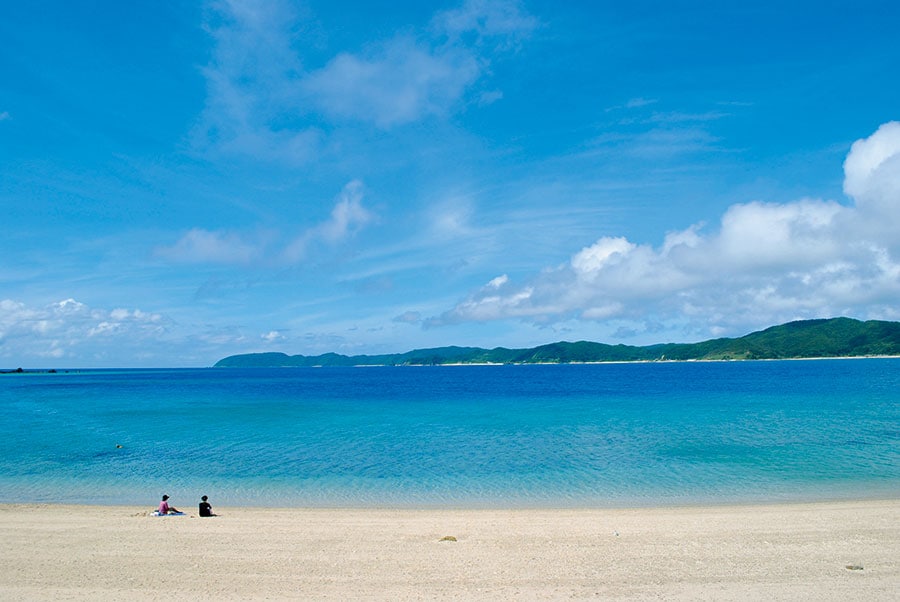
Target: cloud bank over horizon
<point x="767" y="263"/>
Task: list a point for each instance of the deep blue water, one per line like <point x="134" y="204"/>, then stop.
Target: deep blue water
<point x="569" y="435"/>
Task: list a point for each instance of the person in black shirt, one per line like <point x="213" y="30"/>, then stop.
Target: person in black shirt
<point x="205" y="507"/>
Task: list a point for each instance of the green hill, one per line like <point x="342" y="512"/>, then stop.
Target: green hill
<point x="836" y="337"/>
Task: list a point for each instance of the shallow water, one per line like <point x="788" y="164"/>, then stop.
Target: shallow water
<point x="567" y="435"/>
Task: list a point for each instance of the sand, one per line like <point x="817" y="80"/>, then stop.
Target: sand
<point x="769" y="552"/>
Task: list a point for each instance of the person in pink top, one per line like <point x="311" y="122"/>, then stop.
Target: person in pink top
<point x="164" y="507"/>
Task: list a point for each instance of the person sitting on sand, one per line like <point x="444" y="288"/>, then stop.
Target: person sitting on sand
<point x="165" y="508"/>
<point x="205" y="507"/>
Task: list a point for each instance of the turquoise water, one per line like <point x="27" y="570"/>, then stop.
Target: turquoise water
<point x="469" y="436"/>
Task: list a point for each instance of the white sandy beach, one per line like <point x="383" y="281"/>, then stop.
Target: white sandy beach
<point x="769" y="552"/>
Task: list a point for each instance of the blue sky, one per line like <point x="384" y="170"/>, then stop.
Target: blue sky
<point x="182" y="181"/>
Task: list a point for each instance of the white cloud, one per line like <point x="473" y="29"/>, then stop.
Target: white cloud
<point x="633" y="103"/>
<point x="202" y="246"/>
<point x="872" y="170"/>
<point x="604" y="252"/>
<point x="489" y="97"/>
<point x="252" y="83"/>
<point x="636" y="103"/>
<point x="348" y="217"/>
<point x="450" y="219"/>
<point x="498" y="282"/>
<point x="768" y="262"/>
<point x="66" y="328"/>
<point x="766" y="235"/>
<point x="502" y="21"/>
<point x="405" y="79"/>
<point x="262" y="99"/>
<point x="400" y="82"/>
<point x="273" y="336"/>
<point x="71" y="334"/>
<point x="408" y="317"/>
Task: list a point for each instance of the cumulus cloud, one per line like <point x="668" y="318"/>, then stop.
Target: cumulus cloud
<point x="65" y="328"/>
<point x="872" y="170"/>
<point x="273" y="336"/>
<point x="766" y="262"/>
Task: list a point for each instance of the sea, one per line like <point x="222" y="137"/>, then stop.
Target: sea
<point x="511" y="436"/>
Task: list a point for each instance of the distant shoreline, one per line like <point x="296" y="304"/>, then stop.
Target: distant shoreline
<point x="26" y="371"/>
<point x="599" y="363"/>
<point x="832" y="338"/>
<point x="805" y="339"/>
<point x="695" y="361"/>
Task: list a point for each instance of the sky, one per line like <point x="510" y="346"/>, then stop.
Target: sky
<point x="183" y="181"/>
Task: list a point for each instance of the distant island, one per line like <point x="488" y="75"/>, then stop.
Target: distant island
<point x="826" y="338"/>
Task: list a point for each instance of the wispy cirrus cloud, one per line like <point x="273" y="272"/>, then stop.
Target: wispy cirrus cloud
<point x="633" y="103"/>
<point x="348" y="216"/>
<point x="504" y="22"/>
<point x="407" y="78"/>
<point x="398" y="82"/>
<point x="263" y="101"/>
<point x="408" y="317"/>
<point x="252" y="83"/>
<point x="767" y="262"/>
<point x="203" y="246"/>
